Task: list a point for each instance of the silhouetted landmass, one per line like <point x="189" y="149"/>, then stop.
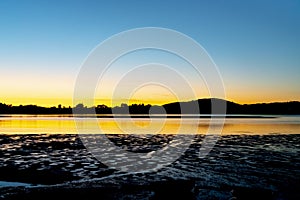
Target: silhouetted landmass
<point x="202" y="106"/>
<point x="205" y="107"/>
<point x="32" y="109"/>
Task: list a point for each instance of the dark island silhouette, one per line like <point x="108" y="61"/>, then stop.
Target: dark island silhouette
<point x="204" y="105"/>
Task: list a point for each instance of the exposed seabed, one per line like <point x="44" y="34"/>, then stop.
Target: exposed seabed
<point x="239" y="166"/>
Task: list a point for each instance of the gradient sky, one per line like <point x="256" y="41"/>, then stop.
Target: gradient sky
<point x="255" y="44"/>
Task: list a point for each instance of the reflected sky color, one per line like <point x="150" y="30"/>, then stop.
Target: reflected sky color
<point x="255" y="44"/>
<point x="64" y="124"/>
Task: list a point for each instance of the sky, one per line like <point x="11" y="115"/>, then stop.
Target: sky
<point x="43" y="44"/>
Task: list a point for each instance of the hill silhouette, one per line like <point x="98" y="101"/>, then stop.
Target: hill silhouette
<point x="202" y="106"/>
<point x="205" y="107"/>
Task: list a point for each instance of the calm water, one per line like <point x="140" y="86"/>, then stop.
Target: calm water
<point x="66" y="124"/>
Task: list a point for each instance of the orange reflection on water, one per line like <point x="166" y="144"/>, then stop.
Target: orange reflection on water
<point x="67" y="125"/>
<point x="28" y="126"/>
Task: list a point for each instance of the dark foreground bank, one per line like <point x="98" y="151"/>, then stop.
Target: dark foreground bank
<point x="239" y="166"/>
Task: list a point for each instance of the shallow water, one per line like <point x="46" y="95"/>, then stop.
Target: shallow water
<point x="264" y="162"/>
<point x="256" y="155"/>
<point x="66" y="124"/>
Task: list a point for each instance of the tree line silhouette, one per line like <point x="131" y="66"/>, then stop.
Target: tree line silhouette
<point x="202" y="106"/>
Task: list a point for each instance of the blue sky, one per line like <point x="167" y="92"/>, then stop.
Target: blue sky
<point x="255" y="44"/>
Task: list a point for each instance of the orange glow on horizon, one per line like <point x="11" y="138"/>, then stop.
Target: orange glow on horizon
<point x="66" y="102"/>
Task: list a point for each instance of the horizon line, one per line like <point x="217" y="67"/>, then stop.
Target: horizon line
<point x="142" y="103"/>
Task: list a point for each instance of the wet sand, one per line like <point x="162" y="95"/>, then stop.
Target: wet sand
<point x="239" y="166"/>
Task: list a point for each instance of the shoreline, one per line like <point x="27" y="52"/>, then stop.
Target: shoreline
<point x="146" y="116"/>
